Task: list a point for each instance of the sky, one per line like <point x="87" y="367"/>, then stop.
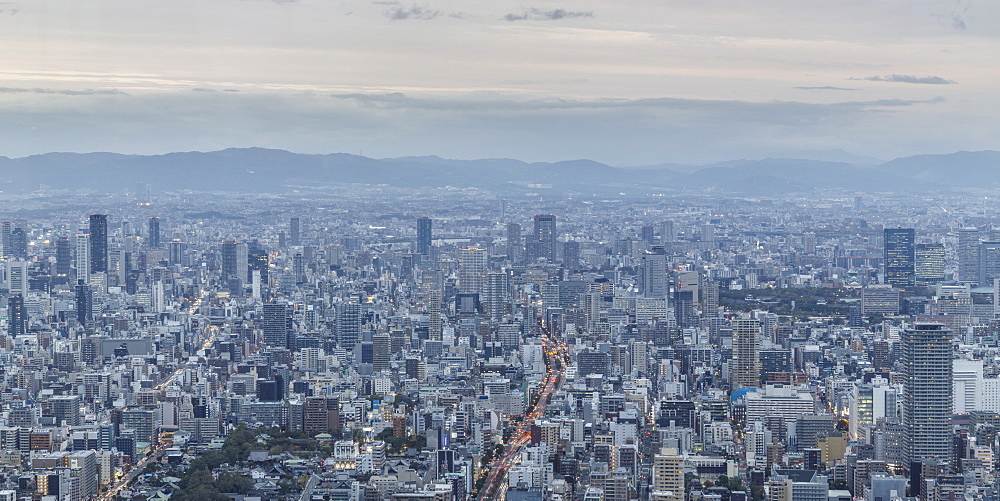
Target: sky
<point x="641" y="82"/>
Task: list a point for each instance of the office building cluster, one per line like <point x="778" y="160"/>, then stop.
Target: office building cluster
<point x="383" y="344"/>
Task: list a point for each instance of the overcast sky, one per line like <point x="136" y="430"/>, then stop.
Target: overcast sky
<point x="626" y="82"/>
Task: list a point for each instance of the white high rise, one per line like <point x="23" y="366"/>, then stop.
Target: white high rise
<point x="471" y="270"/>
<point x="83" y="257"/>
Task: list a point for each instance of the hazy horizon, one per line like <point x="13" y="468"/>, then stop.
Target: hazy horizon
<point x="634" y="84"/>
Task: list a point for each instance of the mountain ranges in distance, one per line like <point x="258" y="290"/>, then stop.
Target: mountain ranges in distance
<point x="268" y="170"/>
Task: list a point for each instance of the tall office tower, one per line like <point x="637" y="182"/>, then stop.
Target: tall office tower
<point x="927" y="387"/>
<point x="989" y="262"/>
<point x="17" y="277"/>
<point x="515" y="247"/>
<point x="154" y="232"/>
<point x="293" y="232"/>
<point x="258" y="260"/>
<point x="746" y="353"/>
<point x="668" y="476"/>
<point x="19" y="243"/>
<point x="235" y="261"/>
<point x="276" y="324"/>
<point x="83" y="257"/>
<point x="432" y="289"/>
<point x="929" y="264"/>
<point x="84" y="302"/>
<point x="899" y="257"/>
<point x="17" y="316"/>
<point x="667" y="233"/>
<point x="348" y="327"/>
<point x="653" y="273"/>
<point x="471" y="270"/>
<point x="63" y="258"/>
<point x="545" y="235"/>
<point x="176" y="252"/>
<point x="5" y="229"/>
<point x="98" y="243"/>
<point x="571" y="255"/>
<point x="711" y="298"/>
<point x="424" y="238"/>
<point x="968" y="255"/>
<point x="380" y="352"/>
<point x="646" y="233"/>
<point x="809" y="243"/>
<point x="495" y="295"/>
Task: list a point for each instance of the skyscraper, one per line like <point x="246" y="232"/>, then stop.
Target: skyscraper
<point x="968" y="254"/>
<point x="83" y="257"/>
<point x="154" y="232"/>
<point x="293" y="232"/>
<point x="380" y="352"/>
<point x="927" y="399"/>
<point x="653" y="273"/>
<point x="899" y="257"/>
<point x="276" y="324"/>
<point x="17" y="316"/>
<point x="545" y="235"/>
<point x="471" y="270"/>
<point x="63" y="258"/>
<point x="746" y="352"/>
<point x="515" y="247"/>
<point x="98" y="243"/>
<point x="424" y="237"/>
<point x="348" y="328"/>
<point x="84" y="302"/>
<point x="495" y="295"/>
<point x="667" y="234"/>
<point x="929" y="264"/>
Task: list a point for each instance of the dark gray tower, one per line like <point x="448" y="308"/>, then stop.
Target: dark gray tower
<point x="900" y="258"/>
<point x="293" y="232"/>
<point x="424" y="237"/>
<point x="154" y="232"/>
<point x="98" y="243"/>
<point x="545" y="235"/>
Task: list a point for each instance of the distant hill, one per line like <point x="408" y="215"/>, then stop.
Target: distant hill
<point x="267" y="170"/>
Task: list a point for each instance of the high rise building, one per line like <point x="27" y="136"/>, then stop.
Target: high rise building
<point x="968" y="254"/>
<point x="98" y="243"/>
<point x="668" y="476"/>
<point x="471" y="270"/>
<point x="293" y="232"/>
<point x="84" y="302"/>
<point x="545" y="235"/>
<point x="5" y="229"/>
<point x="929" y="264"/>
<point x="927" y="387"/>
<point x="380" y="352"/>
<point x="667" y="234"/>
<point x="348" y="327"/>
<point x="176" y="252"/>
<point x="17" y="316"/>
<point x="653" y="273"/>
<point x="63" y="259"/>
<point x="154" y="232"/>
<point x="19" y="243"/>
<point x="989" y="262"/>
<point x="235" y="261"/>
<point x="276" y="320"/>
<point x="515" y="247"/>
<point x="258" y="260"/>
<point x="746" y="352"/>
<point x="424" y="237"/>
<point x="899" y="257"/>
<point x="495" y="295"/>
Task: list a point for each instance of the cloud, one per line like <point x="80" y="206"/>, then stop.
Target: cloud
<point x="413" y="12"/>
<point x="536" y="14"/>
<point x="932" y="80"/>
<point x="385" y="2"/>
<point x="64" y="92"/>
<point x="825" y="87"/>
